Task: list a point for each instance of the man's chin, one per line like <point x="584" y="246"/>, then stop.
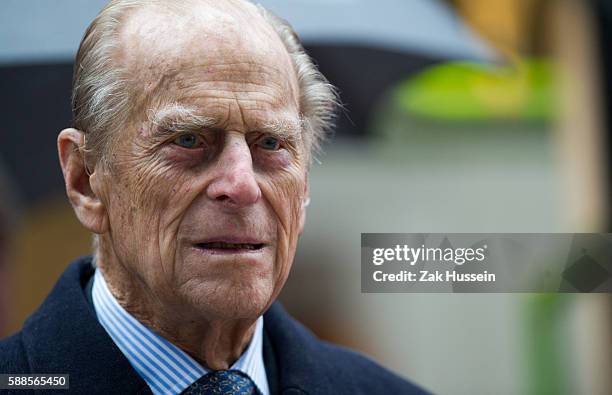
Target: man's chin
<point x="230" y="300"/>
<point x="226" y="285"/>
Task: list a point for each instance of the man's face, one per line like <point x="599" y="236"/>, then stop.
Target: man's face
<point x="204" y="194"/>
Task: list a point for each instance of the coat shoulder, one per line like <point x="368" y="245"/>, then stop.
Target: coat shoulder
<point x="13" y="355"/>
<point x="316" y="366"/>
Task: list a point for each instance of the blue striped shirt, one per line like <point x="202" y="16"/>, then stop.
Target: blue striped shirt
<point x="164" y="367"/>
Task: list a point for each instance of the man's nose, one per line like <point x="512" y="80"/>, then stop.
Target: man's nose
<point x="234" y="182"/>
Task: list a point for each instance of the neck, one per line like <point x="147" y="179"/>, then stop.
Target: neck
<point x="216" y="343"/>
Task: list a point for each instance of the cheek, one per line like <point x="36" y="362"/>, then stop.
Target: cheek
<point x="285" y="196"/>
<point x="285" y="193"/>
<point x="147" y="208"/>
<point x="155" y="185"/>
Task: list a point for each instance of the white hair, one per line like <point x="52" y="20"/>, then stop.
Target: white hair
<point x="101" y="101"/>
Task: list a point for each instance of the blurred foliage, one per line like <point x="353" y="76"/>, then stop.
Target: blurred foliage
<point x="547" y="344"/>
<point x="474" y="91"/>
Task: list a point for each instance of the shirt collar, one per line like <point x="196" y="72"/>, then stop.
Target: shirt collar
<point x="166" y="368"/>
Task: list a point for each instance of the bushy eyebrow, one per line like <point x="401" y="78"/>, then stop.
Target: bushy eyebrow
<point x="177" y="118"/>
<point x="285" y="129"/>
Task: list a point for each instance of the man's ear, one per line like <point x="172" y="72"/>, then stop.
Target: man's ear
<point x="88" y="207"/>
<point x="305" y="203"/>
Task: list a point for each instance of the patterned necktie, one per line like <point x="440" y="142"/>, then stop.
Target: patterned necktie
<point x="226" y="382"/>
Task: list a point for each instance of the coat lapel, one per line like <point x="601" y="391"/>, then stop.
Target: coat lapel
<point x="297" y="354"/>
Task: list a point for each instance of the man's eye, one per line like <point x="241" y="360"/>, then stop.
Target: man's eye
<point x="269" y="143"/>
<point x="187" y="141"/>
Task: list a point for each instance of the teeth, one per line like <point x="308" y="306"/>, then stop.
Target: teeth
<point x="221" y="245"/>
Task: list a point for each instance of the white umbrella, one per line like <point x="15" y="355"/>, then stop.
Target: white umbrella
<point x="34" y="30"/>
<point x="429" y="27"/>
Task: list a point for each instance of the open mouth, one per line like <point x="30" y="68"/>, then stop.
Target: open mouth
<point x="222" y="246"/>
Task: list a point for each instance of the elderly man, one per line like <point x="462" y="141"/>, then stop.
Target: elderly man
<point x="194" y="125"/>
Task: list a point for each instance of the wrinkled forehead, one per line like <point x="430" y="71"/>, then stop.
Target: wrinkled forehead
<point x="163" y="47"/>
